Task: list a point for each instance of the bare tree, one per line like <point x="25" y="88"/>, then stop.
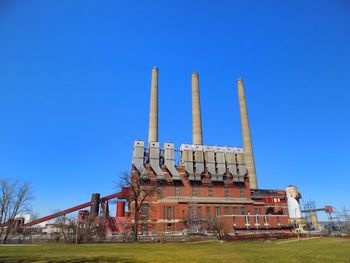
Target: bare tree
<point x="66" y="227"/>
<point x="346" y="219"/>
<point x="14" y="199"/>
<point x="218" y="225"/>
<point x="70" y="230"/>
<point x="141" y="190"/>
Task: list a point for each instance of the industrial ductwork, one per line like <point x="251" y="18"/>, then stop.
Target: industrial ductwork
<point x="169" y="160"/>
<point x="138" y="156"/>
<point x="154" y="154"/>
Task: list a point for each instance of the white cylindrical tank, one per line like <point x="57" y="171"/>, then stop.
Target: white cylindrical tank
<point x="294" y="210"/>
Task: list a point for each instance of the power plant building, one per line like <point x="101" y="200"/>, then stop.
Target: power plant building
<point x="211" y="186"/>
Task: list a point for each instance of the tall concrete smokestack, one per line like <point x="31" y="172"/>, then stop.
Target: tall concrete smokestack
<point x="247" y="141"/>
<point x="153" y="112"/>
<point x="196" y="111"/>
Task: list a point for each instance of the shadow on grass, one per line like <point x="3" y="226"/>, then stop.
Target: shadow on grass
<point x="69" y="260"/>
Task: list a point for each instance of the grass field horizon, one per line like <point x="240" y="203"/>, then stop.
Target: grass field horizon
<point x="305" y="250"/>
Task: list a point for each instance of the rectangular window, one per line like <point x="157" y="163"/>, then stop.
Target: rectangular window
<point x="169" y="213"/>
<point x="227" y="192"/>
<point x="227" y="211"/>
<point x="247" y="220"/>
<point x="235" y="210"/>
<point x="144" y="228"/>
<point x="242" y="211"/>
<point x="199" y="213"/>
<point x="207" y="212"/>
<point x="241" y="191"/>
<point x="190" y="212"/>
<point x="256" y="211"/>
<point x="194" y="189"/>
<point x="160" y="192"/>
<point x="144" y="212"/>
<point x="217" y="211"/>
<point x="210" y="189"/>
<point x="177" y="190"/>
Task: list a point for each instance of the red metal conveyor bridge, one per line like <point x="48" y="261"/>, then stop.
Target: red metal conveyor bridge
<point x="124" y="193"/>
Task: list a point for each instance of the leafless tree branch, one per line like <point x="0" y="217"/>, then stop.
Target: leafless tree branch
<point x="141" y="190"/>
<point x="14" y="199"/>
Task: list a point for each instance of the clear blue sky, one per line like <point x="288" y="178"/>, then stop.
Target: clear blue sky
<point x="75" y="84"/>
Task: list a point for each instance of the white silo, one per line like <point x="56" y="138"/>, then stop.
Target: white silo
<point x="294" y="210"/>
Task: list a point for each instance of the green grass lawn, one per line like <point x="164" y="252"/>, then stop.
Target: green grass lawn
<point x="331" y="250"/>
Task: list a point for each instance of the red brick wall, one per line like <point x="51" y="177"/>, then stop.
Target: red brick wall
<point x="158" y="205"/>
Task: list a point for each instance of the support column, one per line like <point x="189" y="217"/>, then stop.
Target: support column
<point x="153" y="113"/>
<point x="196" y="111"/>
<point x="247" y="141"/>
<point x="95" y="206"/>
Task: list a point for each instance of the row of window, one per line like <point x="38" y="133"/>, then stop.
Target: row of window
<point x="169" y="212"/>
<point x="256" y="220"/>
<point x="144" y="226"/>
<point x="194" y="189"/>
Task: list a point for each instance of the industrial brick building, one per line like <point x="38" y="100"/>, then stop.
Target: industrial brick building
<point x="209" y="186"/>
